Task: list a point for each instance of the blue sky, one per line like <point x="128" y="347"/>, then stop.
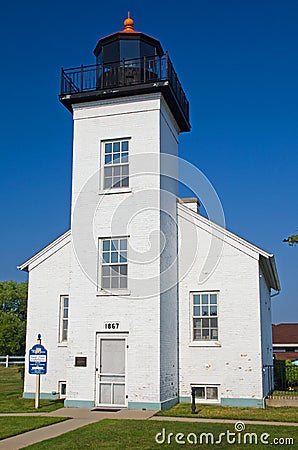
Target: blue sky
<point x="237" y="61"/>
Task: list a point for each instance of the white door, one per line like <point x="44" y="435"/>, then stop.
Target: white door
<point x="111" y="372"/>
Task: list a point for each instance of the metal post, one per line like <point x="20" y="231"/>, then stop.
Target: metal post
<point x="167" y="66"/>
<point x="193" y="403"/>
<point x="145" y="70"/>
<point x="96" y="74"/>
<point x="82" y="78"/>
<point x="37" y="393"/>
<point x="7" y="361"/>
<point x="123" y="64"/>
<point x="102" y="75"/>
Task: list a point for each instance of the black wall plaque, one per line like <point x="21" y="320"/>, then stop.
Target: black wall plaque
<point x="81" y="361"/>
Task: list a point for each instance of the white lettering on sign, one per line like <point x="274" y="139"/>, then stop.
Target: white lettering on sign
<point x="112" y="326"/>
<point x="38" y="358"/>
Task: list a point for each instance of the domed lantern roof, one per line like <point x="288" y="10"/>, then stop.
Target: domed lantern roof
<point x="126" y="44"/>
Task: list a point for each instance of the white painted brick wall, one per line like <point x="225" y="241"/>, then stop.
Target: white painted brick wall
<point x="152" y="360"/>
<point x="169" y="262"/>
<point x="47" y="281"/>
<point x="234" y="361"/>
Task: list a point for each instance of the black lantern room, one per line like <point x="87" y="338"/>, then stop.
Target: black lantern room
<point x="127" y="63"/>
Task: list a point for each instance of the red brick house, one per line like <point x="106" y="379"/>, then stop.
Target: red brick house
<point x="285" y="341"/>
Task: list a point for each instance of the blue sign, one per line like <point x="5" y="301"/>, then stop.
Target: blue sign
<point x="38" y="358"/>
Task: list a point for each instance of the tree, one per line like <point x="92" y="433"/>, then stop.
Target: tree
<point x="292" y="240"/>
<point x="12" y="334"/>
<point x="13" y="314"/>
<point x="13" y="298"/>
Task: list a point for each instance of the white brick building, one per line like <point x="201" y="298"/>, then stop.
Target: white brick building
<point x="144" y="297"/>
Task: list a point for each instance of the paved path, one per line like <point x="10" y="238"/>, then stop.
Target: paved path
<point x="50" y="431"/>
<point x="79" y="418"/>
<point x="84" y="416"/>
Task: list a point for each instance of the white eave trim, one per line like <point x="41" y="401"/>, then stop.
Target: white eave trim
<point x="42" y="252"/>
<point x="269" y="268"/>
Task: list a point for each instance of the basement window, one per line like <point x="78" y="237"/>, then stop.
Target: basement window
<point x="62" y="389"/>
<point x="206" y="393"/>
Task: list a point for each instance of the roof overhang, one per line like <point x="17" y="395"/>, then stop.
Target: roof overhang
<point x="268" y="267"/>
<point x="46" y="251"/>
<point x="122" y="35"/>
<point x="139" y="89"/>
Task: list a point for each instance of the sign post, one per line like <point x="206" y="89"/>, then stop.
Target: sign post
<point x="38" y="357"/>
<point x="37" y="391"/>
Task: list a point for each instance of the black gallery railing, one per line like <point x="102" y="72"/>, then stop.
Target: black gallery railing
<point x="127" y="72"/>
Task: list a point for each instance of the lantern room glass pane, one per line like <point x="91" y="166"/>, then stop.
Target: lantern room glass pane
<point x="147" y="49"/>
<point x="111" y="53"/>
<point x="129" y="49"/>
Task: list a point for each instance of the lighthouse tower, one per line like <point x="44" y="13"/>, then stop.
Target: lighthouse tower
<point x="128" y="111"/>
<point x="105" y="293"/>
<point x="134" y="310"/>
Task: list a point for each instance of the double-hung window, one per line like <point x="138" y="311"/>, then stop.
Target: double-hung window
<point x="114" y="263"/>
<point x="116" y="169"/>
<point x="204" y="316"/>
<point x="64" y="305"/>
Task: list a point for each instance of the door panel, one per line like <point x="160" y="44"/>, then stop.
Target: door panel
<point x="105" y="393"/>
<point x="113" y="356"/>
<point x="111" y="374"/>
<point x="119" y="394"/>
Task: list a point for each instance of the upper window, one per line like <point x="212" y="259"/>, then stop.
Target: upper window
<point x="114" y="263"/>
<point x="116" y="171"/>
<point x="205" y="318"/>
<point x="64" y="305"/>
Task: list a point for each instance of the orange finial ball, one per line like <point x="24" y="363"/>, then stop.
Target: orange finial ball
<point x="128" y="23"/>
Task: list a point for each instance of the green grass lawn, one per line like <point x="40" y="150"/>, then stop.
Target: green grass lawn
<point x="140" y="435"/>
<point x="283" y="414"/>
<point x="11" y="389"/>
<point x="10" y="426"/>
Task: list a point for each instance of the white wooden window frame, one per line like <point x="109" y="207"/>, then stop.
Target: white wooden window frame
<point x="197" y="317"/>
<point x="63" y="318"/>
<point x="205" y="398"/>
<point x="115" y="164"/>
<point x="113" y="264"/>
